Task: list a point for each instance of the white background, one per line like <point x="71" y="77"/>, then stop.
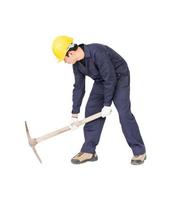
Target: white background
<point x="34" y="87"/>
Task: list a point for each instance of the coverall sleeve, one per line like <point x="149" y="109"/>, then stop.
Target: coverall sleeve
<point x="78" y="90"/>
<point x="108" y="75"/>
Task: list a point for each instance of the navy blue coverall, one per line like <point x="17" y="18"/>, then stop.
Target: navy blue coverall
<point x="111" y="83"/>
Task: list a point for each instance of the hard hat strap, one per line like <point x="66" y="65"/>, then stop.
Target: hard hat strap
<point x="72" y="47"/>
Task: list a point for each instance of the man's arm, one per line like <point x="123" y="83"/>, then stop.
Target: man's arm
<point x="108" y="74"/>
<point x="79" y="89"/>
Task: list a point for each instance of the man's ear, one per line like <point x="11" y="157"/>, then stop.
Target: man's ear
<point x="71" y="53"/>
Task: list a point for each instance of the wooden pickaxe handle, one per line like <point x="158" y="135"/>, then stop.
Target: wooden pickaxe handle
<point x="67" y="128"/>
<point x="34" y="141"/>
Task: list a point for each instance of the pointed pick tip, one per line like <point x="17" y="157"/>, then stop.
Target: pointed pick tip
<point x="32" y="143"/>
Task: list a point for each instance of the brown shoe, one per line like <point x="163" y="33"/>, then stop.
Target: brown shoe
<point x="84" y="157"/>
<point x="138" y="159"/>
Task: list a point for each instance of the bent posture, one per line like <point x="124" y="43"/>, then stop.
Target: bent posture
<point x="111" y="77"/>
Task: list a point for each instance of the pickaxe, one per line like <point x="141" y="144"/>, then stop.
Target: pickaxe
<point x="34" y="141"/>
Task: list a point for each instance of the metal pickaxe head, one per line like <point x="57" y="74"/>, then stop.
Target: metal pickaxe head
<point x="32" y="142"/>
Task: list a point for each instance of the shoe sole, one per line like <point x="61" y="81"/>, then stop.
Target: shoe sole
<point x="91" y="160"/>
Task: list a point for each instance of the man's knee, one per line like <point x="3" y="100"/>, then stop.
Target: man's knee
<point x="126" y="115"/>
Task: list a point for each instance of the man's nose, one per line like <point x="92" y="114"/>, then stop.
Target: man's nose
<point x="65" y="60"/>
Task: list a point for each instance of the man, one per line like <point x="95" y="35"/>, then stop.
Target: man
<point x="111" y="84"/>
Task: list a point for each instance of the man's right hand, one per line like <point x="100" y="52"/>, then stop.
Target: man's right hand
<point x="73" y="122"/>
<point x="106" y="111"/>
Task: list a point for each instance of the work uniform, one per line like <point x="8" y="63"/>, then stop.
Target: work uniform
<point x="111" y="84"/>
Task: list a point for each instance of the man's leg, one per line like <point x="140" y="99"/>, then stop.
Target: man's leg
<point x="92" y="130"/>
<point x="128" y="122"/>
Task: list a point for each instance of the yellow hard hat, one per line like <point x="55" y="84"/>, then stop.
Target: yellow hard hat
<point x="61" y="45"/>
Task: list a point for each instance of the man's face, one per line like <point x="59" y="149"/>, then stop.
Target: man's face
<point x="71" y="58"/>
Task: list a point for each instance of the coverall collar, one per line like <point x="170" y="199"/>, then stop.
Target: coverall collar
<point x="86" y="50"/>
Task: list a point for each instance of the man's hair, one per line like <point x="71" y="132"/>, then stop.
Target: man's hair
<point x="73" y="47"/>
